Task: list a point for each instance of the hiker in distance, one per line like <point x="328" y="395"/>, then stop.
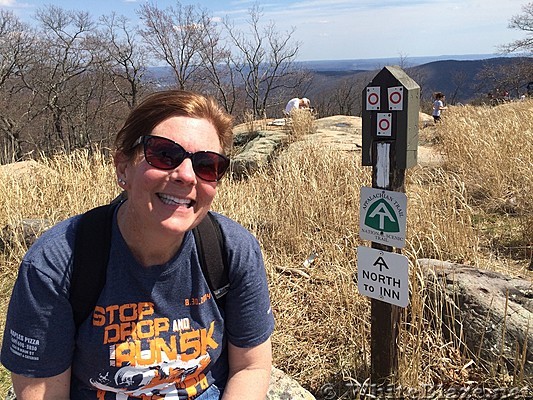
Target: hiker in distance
<point x="155" y="330"/>
<point x="438" y="106"/>
<point x="297" y="104"/>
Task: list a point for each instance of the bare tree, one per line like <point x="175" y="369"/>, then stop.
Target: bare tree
<point x="340" y="95"/>
<point x="122" y="57"/>
<point x="16" y="53"/>
<point x="264" y="59"/>
<point x="460" y="80"/>
<point x="217" y="66"/>
<point x="508" y="77"/>
<point x="174" y="36"/>
<point x="522" y="22"/>
<point x="64" y="57"/>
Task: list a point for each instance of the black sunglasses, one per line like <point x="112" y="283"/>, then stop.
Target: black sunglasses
<point x="164" y="153"/>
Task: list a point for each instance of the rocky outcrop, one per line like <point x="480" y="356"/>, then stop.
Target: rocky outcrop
<point x="342" y="132"/>
<point x="257" y="152"/>
<point x="283" y="387"/>
<point x="489" y="314"/>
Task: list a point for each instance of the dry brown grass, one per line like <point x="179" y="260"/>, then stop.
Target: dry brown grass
<point x="308" y="202"/>
<point x="491" y="149"/>
<point x="301" y="123"/>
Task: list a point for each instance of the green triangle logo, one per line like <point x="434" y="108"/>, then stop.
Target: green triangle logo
<point x="381" y="216"/>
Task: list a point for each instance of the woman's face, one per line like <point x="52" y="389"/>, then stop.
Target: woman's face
<point x="176" y="200"/>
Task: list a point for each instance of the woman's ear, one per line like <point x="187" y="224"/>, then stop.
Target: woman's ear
<point x="121" y="165"/>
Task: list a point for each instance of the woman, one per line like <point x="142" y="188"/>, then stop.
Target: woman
<point x="156" y="332"/>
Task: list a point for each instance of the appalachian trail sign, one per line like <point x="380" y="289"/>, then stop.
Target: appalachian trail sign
<point x="382" y="216"/>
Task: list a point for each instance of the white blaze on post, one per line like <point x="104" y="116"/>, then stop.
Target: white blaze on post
<point x="382" y="164"/>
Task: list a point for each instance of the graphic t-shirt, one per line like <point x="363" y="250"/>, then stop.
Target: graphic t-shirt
<point x="155" y="333"/>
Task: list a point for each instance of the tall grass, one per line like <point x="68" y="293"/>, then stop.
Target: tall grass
<point x="50" y="189"/>
<point x="491" y="149"/>
<point x="307" y="202"/>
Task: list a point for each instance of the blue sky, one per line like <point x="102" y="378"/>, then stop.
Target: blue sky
<point x="351" y="29"/>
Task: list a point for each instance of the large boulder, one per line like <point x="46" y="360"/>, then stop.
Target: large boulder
<point x="488" y="313"/>
<point x="30" y="169"/>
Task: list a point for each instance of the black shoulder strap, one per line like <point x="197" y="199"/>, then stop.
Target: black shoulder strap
<point x="91" y="255"/>
<point x="210" y="246"/>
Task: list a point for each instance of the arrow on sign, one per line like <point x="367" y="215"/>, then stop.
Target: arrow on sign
<point x="380" y="262"/>
<point x="378" y="215"/>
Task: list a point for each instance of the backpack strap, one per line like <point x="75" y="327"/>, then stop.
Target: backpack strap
<point x="91" y="255"/>
<point x="210" y="247"/>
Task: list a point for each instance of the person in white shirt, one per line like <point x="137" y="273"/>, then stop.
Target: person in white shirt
<point x="297" y="103"/>
<point x="438" y="106"/>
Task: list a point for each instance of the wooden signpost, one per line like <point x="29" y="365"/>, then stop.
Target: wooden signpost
<point x="391" y="104"/>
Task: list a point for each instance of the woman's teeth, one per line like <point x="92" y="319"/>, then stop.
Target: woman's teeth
<point x="171" y="200"/>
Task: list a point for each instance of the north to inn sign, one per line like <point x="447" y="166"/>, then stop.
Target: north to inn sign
<point x="383" y="276"/>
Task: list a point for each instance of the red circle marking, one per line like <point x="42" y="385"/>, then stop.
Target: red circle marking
<point x="384" y="124"/>
<point x="373" y="99"/>
<point x="395" y="97"/>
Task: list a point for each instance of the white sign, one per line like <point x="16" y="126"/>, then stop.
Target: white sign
<point x="395" y="98"/>
<point x="384" y="124"/>
<point x="383" y="276"/>
<point x="383" y="216"/>
<point x="372" y="98"/>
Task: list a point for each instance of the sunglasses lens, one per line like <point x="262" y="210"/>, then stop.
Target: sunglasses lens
<point x="163" y="153"/>
<point x="209" y="166"/>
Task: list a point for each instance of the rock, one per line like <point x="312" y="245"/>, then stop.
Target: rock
<point x="283" y="387"/>
<point x="489" y="313"/>
<point x="10" y="395"/>
<point x="257" y="153"/>
<point x="340" y="132"/>
<point x="28" y="230"/>
<point x="425" y="120"/>
<point x="30" y="169"/>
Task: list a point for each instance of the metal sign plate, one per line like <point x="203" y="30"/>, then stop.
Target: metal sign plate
<point x="383" y="216"/>
<point x="383" y="276"/>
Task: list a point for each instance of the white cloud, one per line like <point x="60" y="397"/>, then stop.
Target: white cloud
<point x="368" y="29"/>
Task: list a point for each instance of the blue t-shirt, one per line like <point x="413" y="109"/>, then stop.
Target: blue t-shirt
<point x="155" y="331"/>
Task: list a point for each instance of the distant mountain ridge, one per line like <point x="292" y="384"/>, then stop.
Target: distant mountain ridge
<point x="370" y="64"/>
<point x="459" y="79"/>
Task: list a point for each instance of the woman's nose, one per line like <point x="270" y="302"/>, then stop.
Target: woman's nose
<point x="185" y="172"/>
